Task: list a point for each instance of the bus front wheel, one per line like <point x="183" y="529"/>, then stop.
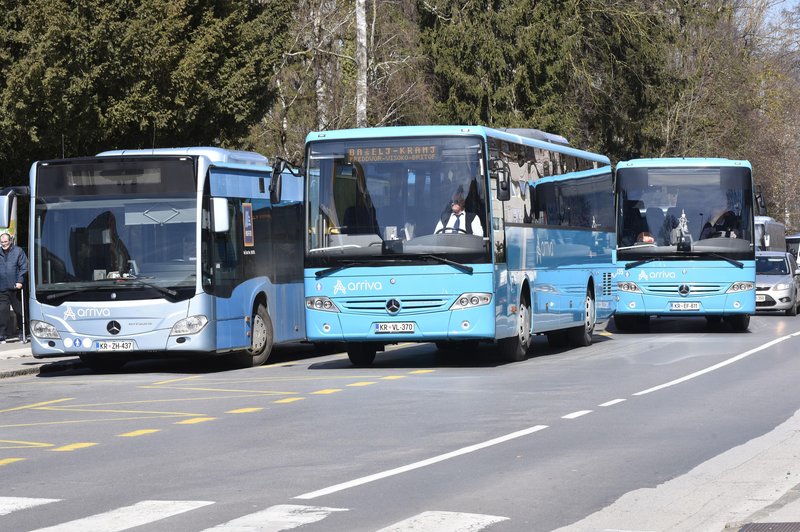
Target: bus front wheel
<point x="515" y="349"/>
<point x="361" y="354"/>
<point x="739" y="322"/>
<point x="261" y="338"/>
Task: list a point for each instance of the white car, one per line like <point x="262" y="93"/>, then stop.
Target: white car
<point x="777" y="282"/>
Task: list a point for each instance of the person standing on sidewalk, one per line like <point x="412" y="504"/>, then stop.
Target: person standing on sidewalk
<point x="13" y="268"/>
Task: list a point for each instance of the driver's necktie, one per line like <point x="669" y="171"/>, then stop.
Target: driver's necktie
<point x="457" y="223"/>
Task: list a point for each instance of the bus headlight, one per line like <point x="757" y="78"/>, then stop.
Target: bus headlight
<point x="321" y="303"/>
<point x="740" y="286"/>
<point x="190" y="325"/>
<point x="470" y="300"/>
<point x="41" y="329"/>
<point x="629" y="286"/>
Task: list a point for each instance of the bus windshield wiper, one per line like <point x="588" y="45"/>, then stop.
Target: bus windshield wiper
<point x="139" y="282"/>
<point x="463" y="267"/>
<point x="640" y="262"/>
<point x="67" y="293"/>
<point x="727" y="259"/>
<point x="350" y="264"/>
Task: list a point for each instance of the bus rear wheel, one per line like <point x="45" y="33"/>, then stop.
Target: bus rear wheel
<point x="581" y="336"/>
<point x="361" y="354"/>
<point x="261" y="339"/>
<point x="515" y="349"/>
<point x="739" y="322"/>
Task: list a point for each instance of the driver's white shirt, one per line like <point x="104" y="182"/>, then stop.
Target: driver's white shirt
<point x="476" y="224"/>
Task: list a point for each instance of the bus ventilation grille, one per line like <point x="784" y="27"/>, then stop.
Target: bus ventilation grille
<point x="607" y="284"/>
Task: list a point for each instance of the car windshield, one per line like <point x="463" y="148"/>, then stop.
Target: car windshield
<point x="373" y="198"/>
<point x="771" y="266"/>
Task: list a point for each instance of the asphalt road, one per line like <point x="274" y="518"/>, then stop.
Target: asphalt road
<point x="679" y="428"/>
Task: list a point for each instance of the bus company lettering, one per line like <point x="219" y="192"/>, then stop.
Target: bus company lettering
<point x="352" y="286"/>
<point x="653" y="276"/>
<point x="81" y="313"/>
<point x="545" y="248"/>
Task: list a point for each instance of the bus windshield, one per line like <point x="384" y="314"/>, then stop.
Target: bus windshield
<point x="90" y="243"/>
<point x="390" y="197"/>
<point x="679" y="211"/>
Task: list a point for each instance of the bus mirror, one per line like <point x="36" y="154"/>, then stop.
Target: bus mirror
<point x="501" y="170"/>
<point x="276" y="182"/>
<point x="6" y="202"/>
<point x="219" y="209"/>
<point x="766" y="240"/>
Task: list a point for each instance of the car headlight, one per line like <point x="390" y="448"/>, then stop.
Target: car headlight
<point x="190" y="325"/>
<point x="42" y="329"/>
<point x="782" y="286"/>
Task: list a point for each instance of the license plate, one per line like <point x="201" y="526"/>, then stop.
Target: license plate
<point x="760" y="298"/>
<point x="114" y="345"/>
<point x="394" y="327"/>
<point x="684" y="305"/>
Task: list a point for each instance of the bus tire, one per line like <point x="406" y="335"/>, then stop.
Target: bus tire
<point x="739" y="323"/>
<point x="515" y="349"/>
<point x="361" y="354"/>
<point x="261" y="339"/>
<point x="581" y="336"/>
<point x="102" y="364"/>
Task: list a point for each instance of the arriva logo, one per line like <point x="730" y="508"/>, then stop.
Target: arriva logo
<point x="340" y="288"/>
<point x="653" y="276"/>
<point x="81" y="313"/>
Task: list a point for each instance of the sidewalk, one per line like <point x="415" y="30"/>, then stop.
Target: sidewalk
<point x="16" y="360"/>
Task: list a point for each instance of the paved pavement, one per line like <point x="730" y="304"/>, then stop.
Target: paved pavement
<point x="751" y="488"/>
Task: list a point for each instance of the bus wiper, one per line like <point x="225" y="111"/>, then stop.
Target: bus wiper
<point x="162" y="289"/>
<point x="640" y="262"/>
<point x="727" y="259"/>
<point x="350" y="264"/>
<point x="67" y="293"/>
<point x="463" y="267"/>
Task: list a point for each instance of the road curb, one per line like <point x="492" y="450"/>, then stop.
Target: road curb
<point x="40" y="368"/>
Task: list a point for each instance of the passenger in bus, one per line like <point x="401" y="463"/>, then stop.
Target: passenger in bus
<point x="727" y="225"/>
<point x="458" y="220"/>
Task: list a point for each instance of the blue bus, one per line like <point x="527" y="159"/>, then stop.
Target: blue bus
<point x="685" y="240"/>
<point x="385" y="262"/>
<point x="164" y="252"/>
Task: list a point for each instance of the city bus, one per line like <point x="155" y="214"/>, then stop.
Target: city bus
<point x="164" y="252"/>
<point x="770" y="234"/>
<point x="534" y="256"/>
<point x="685" y="240"/>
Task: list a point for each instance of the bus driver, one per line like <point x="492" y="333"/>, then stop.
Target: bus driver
<point x="458" y="220"/>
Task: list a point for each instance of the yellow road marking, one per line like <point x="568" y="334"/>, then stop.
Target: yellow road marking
<point x="393" y="377"/>
<point x="23" y="444"/>
<point x="605" y="333"/>
<point x="194" y="420"/>
<point x="289" y="400"/>
<point x="244" y="410"/>
<point x="141" y="432"/>
<point x="112" y="411"/>
<point x="177" y="380"/>
<point x="421" y="371"/>
<point x="363" y="383"/>
<point x="326" y="391"/>
<point x="73" y="447"/>
<point x="6" y="461"/>
<point x="234" y="390"/>
<point x="36" y="405"/>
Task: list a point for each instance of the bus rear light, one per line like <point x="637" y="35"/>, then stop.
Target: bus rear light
<point x="41" y="329"/>
<point x="323" y="303"/>
<point x="741" y="286"/>
<point x="629" y="286"/>
<point x="190" y="325"/>
<point x="470" y="300"/>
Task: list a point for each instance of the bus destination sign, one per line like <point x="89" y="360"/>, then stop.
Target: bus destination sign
<point x="393" y="153"/>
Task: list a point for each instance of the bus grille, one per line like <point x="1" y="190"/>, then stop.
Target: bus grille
<point x="607" y="284"/>
<point x="697" y="289"/>
<point x="408" y="305"/>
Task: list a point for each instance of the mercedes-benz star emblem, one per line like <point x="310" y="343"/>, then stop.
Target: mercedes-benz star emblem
<point x="393" y="306"/>
<point x="683" y="289"/>
<point x="113" y="327"/>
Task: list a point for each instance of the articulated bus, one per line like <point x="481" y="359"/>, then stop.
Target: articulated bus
<point x="382" y="264"/>
<point x="165" y="252"/>
<point x="685" y="239"/>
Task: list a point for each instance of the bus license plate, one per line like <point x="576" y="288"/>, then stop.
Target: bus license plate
<point x="113" y="345"/>
<point x="684" y="305"/>
<point x="394" y="327"/>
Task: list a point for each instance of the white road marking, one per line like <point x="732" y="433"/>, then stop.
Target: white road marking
<point x="444" y="522"/>
<point x="141" y="513"/>
<point x="716" y="366"/>
<point x="277" y="518"/>
<point x="12" y="504"/>
<point x="577" y="414"/>
<point x="417" y="465"/>
<point x="612" y="402"/>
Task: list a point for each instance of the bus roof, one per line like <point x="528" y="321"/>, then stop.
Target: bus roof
<point x="555" y="143"/>
<point x="682" y="162"/>
<point x="215" y="155"/>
